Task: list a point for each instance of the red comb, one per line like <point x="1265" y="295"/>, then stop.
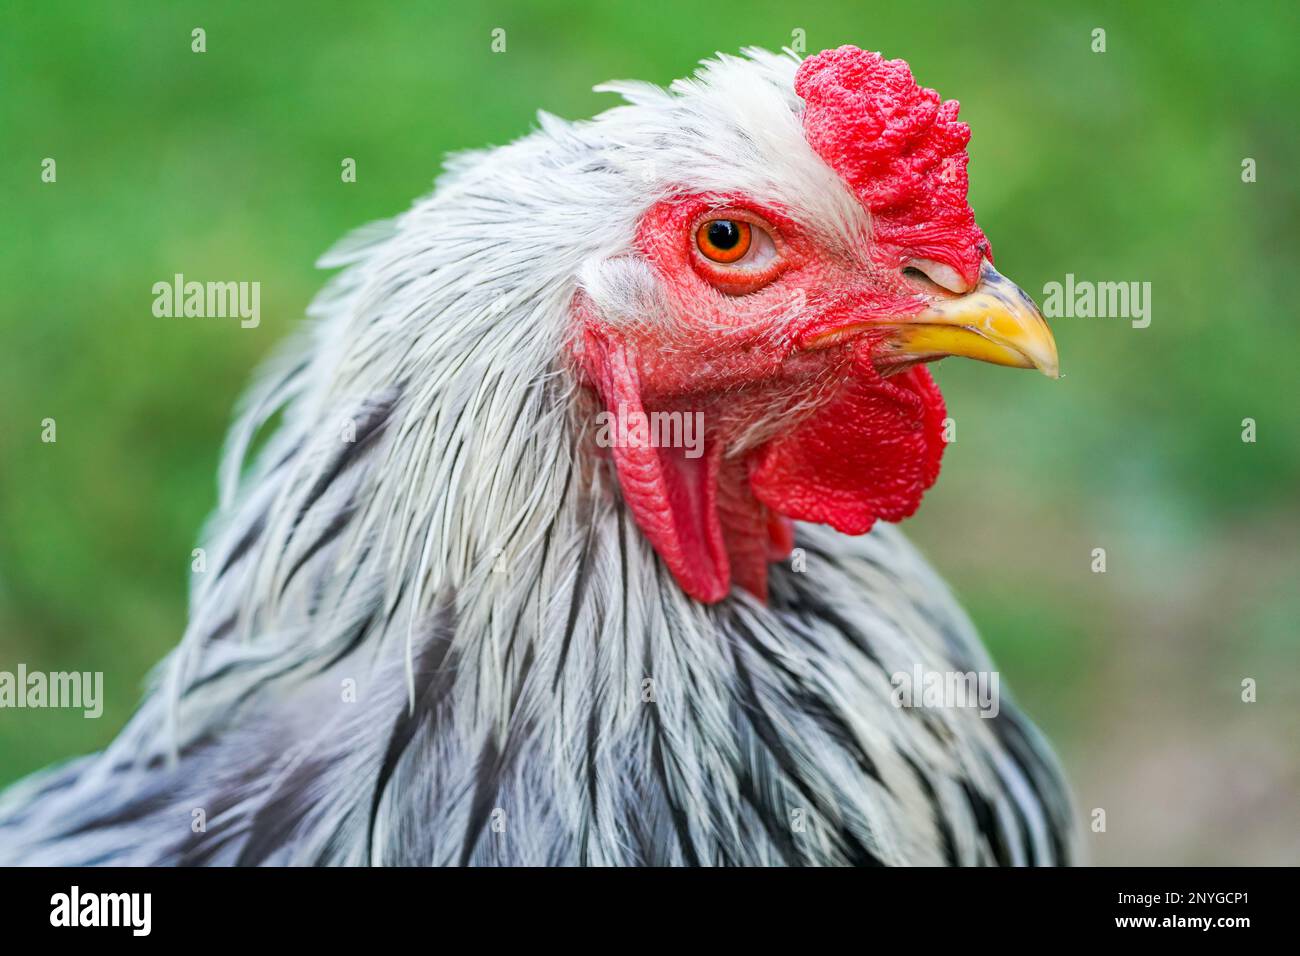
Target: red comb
<point x="900" y="149"/>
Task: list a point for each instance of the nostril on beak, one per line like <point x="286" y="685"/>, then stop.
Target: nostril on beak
<point x="935" y="277"/>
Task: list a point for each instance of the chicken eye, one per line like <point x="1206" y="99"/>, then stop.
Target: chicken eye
<point x="724" y="240"/>
<point x="733" y="252"/>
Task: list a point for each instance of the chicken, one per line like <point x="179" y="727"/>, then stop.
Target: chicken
<point x="451" y="620"/>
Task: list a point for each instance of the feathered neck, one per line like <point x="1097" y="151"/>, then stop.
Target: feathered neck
<point x="425" y="453"/>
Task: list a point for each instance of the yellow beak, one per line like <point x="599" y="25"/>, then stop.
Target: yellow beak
<point x="994" y="322"/>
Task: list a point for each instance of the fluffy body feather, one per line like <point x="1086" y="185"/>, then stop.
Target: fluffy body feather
<point x="430" y="631"/>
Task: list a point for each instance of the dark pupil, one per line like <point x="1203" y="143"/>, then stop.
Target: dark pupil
<point x="724" y="234"/>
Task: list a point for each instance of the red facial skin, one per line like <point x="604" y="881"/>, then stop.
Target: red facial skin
<point x="791" y="433"/>
<point x="858" y="448"/>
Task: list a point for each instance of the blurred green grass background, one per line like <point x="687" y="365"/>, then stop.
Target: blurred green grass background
<point x="1117" y="166"/>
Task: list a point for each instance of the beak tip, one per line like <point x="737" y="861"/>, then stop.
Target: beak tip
<point x="1045" y="357"/>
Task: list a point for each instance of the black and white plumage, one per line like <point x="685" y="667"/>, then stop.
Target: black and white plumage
<point x="431" y="632"/>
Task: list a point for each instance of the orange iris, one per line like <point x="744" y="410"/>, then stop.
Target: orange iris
<point x="723" y="240"/>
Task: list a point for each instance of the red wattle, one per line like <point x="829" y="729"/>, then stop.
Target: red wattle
<point x="673" y="497"/>
<point x="871" y="452"/>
